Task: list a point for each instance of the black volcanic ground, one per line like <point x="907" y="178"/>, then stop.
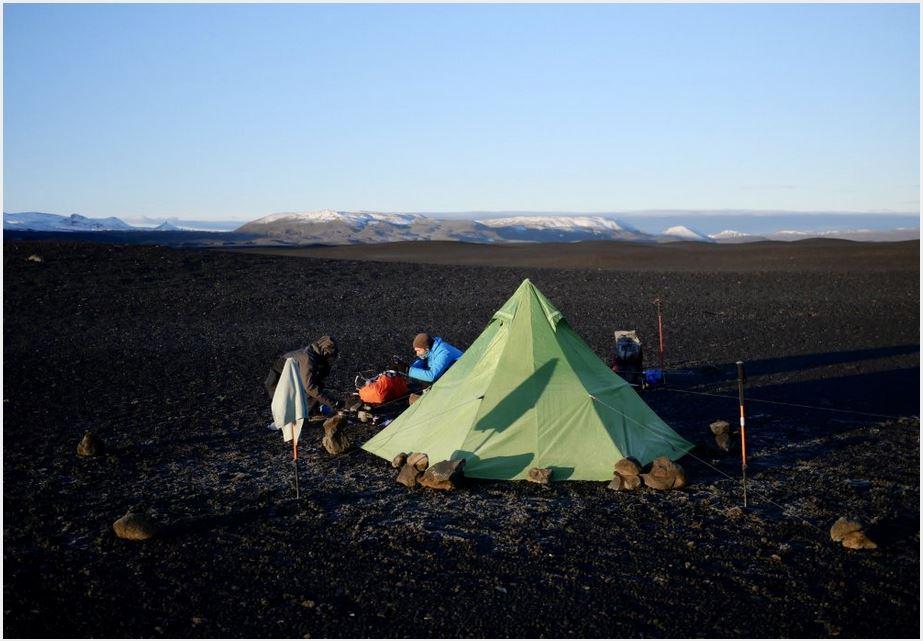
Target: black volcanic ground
<point x="163" y="352"/>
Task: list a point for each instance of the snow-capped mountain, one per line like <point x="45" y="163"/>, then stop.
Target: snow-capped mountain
<point x="38" y="221"/>
<point x="329" y="226"/>
<point x="167" y="226"/>
<point x="356" y="219"/>
<point x="729" y="236"/>
<point x="681" y="232"/>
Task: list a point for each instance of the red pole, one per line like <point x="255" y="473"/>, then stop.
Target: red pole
<point x="743" y="427"/>
<point x="295" y="460"/>
<point x="660" y="332"/>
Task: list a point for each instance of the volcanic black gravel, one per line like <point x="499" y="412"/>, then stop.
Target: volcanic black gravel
<point x="162" y="352"/>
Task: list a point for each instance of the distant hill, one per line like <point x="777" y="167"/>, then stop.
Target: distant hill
<point x="341" y="227"/>
<point x="38" y="221"/>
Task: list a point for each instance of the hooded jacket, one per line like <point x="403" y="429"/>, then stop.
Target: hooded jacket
<point x="314" y="366"/>
<point x="440" y="358"/>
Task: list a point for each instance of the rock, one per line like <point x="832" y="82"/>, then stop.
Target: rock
<point x="413" y="398"/>
<point x="135" y="527"/>
<point x="35" y="258"/>
<point x="445" y="475"/>
<point x="842" y="527"/>
<point x="620" y="482"/>
<point x="409" y="476"/>
<point x="857" y="540"/>
<point x="723" y="441"/>
<point x="627" y="467"/>
<point x="90" y="445"/>
<point x="540" y="475"/>
<point x="335" y="440"/>
<point x="665" y="475"/>
<point x="419" y="460"/>
<point x="398" y="461"/>
<point x="720" y="427"/>
<point x="734" y="512"/>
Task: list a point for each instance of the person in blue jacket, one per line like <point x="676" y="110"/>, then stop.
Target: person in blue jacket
<point x="434" y="357"/>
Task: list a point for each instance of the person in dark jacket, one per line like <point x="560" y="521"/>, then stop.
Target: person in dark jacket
<point x="314" y="363"/>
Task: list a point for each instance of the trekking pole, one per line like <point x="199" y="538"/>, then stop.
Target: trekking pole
<point x="660" y="332"/>
<point x="743" y="428"/>
<point x="295" y="461"/>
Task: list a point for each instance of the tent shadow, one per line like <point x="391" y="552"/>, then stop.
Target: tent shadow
<point x="519" y="401"/>
<point x="497" y="467"/>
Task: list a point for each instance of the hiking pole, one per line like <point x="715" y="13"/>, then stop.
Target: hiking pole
<point x="743" y="428"/>
<point x="660" y="332"/>
<point x="295" y="461"/>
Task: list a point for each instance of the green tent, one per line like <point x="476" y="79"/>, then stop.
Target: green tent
<point x="530" y="393"/>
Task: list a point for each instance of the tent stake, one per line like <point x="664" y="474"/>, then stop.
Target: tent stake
<point x="743" y="428"/>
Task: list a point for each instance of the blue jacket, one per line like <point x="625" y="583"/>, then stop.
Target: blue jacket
<point x="440" y="358"/>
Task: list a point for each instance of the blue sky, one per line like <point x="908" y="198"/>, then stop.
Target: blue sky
<point x="236" y="111"/>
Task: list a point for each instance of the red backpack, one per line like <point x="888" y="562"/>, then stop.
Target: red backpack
<point x="383" y="388"/>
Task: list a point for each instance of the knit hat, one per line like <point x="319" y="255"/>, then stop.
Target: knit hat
<point x="326" y="346"/>
<point x="422" y="341"/>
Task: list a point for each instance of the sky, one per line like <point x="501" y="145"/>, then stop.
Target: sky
<point x="237" y="111"/>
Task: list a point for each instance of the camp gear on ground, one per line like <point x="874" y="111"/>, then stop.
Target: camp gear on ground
<point x="441" y="356"/>
<point x="399" y="363"/>
<point x="422" y="341"/>
<point x="530" y="393"/>
<point x="314" y="363"/>
<point x="385" y="387"/>
<point x="628" y="356"/>
<point x="653" y="377"/>
<point x="290" y="401"/>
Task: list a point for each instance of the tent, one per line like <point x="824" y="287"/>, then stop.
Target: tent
<point x="528" y="393"/>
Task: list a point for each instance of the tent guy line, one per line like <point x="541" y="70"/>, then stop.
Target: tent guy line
<point x="759" y="400"/>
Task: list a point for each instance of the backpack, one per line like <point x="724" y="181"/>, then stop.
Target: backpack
<point x="383" y="388"/>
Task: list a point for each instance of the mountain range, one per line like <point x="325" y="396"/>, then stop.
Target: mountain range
<point x="346" y="227"/>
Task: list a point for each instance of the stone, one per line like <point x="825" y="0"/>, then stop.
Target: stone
<point x="723" y="441"/>
<point x="444" y="475"/>
<point x="857" y="540"/>
<point x="335" y="440"/>
<point x="419" y="460"/>
<point x="35" y="258"/>
<point x="842" y="527"/>
<point x="135" y="526"/>
<point x="398" y="461"/>
<point x="541" y="475"/>
<point x="665" y="475"/>
<point x="627" y="467"/>
<point x="620" y="482"/>
<point x="90" y="445"/>
<point x="413" y="398"/>
<point x="720" y="427"/>
<point x="409" y="476"/>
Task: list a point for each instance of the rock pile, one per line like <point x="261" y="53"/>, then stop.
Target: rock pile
<point x="335" y="440"/>
<point x="722" y="432"/>
<point x="416" y="470"/>
<point x="665" y="475"/>
<point x="850" y="535"/>
<point x="626" y="475"/>
<point x="90" y="445"/>
<point x="135" y="526"/>
<point x="412" y="467"/>
<point x="445" y="475"/>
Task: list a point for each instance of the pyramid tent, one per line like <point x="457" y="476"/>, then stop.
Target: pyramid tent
<point x="528" y="393"/>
